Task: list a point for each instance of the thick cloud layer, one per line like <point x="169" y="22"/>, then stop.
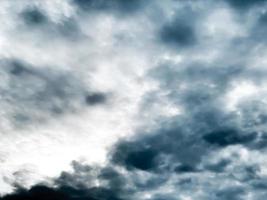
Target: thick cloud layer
<point x="149" y="100"/>
<point x="120" y="6"/>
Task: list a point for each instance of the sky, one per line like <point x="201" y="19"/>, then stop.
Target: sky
<point x="133" y="99"/>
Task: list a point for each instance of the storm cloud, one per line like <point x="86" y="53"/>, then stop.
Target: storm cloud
<point x="149" y="100"/>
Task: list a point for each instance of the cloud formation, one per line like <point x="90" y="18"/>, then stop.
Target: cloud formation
<point x="146" y="100"/>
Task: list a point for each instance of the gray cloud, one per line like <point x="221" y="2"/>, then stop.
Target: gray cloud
<point x="239" y="4"/>
<point x="213" y="147"/>
<point x="180" y="31"/>
<point x="119" y="6"/>
<point x="36" y="93"/>
<point x="38" y="21"/>
<point x="34" y="17"/>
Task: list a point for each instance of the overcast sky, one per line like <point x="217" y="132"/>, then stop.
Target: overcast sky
<point x="133" y="99"/>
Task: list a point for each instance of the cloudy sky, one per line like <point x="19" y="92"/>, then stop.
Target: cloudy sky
<point x="133" y="99"/>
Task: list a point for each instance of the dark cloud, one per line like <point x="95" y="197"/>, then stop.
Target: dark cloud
<point x="260" y="142"/>
<point x="68" y="28"/>
<point x="218" y="166"/>
<point x="83" y="175"/>
<point x="40" y="23"/>
<point x="18" y="68"/>
<point x="178" y="34"/>
<point x="43" y="89"/>
<point x="180" y="146"/>
<point x="251" y="172"/>
<point x="181" y="30"/>
<point x="34" y="17"/>
<point x="120" y="6"/>
<point x="95" y="98"/>
<point x="164" y="197"/>
<point x="199" y="75"/>
<point x="184" y="142"/>
<point x="184" y="169"/>
<point x="227" y="137"/>
<point x="149" y="153"/>
<point x="263" y="20"/>
<point x="231" y="193"/>
<point x="257" y="30"/>
<point x="143" y="159"/>
<point x="37" y="192"/>
<point x="78" y="185"/>
<point x="115" y="180"/>
<point x="40" y="192"/>
<point x="259" y="184"/>
<point x="135" y="155"/>
<point x="245" y="4"/>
